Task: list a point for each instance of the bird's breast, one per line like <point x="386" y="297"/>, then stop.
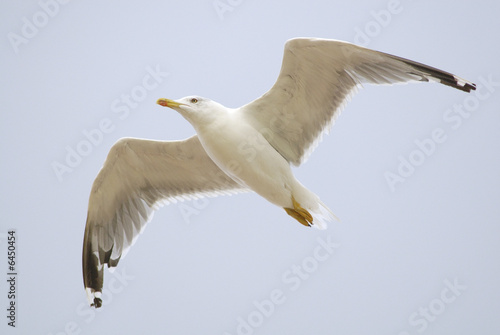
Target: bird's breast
<point x="245" y="155"/>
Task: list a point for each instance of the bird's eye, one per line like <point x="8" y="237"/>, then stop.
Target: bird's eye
<point x="194" y="100"/>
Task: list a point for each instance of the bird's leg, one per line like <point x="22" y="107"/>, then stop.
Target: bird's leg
<point x="296" y="215"/>
<point x="299" y="213"/>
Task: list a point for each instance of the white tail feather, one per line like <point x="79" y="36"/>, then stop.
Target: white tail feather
<point x="322" y="215"/>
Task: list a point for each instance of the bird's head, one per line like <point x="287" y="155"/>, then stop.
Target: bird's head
<point x="196" y="110"/>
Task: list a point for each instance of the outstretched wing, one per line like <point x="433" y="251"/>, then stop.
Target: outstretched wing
<point x="317" y="78"/>
<point x="136" y="178"/>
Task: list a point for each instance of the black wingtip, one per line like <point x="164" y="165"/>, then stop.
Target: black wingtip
<point x="97" y="303"/>
<point x="469" y="87"/>
<point x="447" y="78"/>
<point x="443" y="77"/>
<point x="457" y="83"/>
<point x="466" y="87"/>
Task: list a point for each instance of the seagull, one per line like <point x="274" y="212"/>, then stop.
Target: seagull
<point x="250" y="148"/>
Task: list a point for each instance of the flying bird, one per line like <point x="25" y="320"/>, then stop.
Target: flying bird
<point x="250" y="148"/>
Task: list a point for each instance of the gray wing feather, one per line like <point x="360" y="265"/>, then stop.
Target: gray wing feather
<point x="138" y="177"/>
<point x="317" y="78"/>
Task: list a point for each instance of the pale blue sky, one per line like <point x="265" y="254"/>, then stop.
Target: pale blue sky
<point x="417" y="257"/>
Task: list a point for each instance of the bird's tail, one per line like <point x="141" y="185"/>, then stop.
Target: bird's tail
<point x="310" y="208"/>
<point x="322" y="215"/>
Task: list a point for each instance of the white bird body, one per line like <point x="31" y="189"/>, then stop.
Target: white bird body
<point x="246" y="156"/>
<point x="235" y="150"/>
<point x="265" y="172"/>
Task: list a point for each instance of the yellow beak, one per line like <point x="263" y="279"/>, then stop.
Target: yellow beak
<point x="168" y="103"/>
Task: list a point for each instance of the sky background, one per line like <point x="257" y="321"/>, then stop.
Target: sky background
<point x="418" y="256"/>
